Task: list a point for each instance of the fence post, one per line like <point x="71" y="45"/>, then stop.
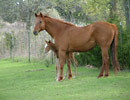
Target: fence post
<point x="121" y="34"/>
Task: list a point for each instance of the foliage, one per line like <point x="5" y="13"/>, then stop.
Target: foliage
<point x="47" y="62"/>
<point x="10" y="40"/>
<point x="124" y="50"/>
<point x="8" y="10"/>
<point x="114" y="20"/>
<point x="92" y="57"/>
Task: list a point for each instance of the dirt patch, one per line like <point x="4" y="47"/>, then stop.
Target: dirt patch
<point x="89" y="66"/>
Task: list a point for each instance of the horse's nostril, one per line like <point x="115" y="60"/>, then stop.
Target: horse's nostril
<point x="35" y="32"/>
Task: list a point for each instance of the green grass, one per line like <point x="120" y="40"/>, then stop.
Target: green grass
<point x="20" y="80"/>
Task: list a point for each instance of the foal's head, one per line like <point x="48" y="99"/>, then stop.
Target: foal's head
<point x="39" y="23"/>
<point x="49" y="46"/>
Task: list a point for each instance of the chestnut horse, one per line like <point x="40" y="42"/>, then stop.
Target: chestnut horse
<point x="70" y="38"/>
<point x="51" y="46"/>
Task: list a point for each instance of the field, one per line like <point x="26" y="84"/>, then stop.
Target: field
<point x="20" y="80"/>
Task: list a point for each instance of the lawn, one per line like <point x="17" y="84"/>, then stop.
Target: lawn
<point x="20" y="80"/>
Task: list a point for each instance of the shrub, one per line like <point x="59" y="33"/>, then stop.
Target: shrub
<point x="92" y="57"/>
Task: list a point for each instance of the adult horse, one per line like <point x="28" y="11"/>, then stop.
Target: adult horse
<point x="70" y="38"/>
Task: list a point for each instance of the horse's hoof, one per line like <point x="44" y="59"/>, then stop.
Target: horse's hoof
<point x="99" y="76"/>
<point x="59" y="79"/>
<point x="70" y="76"/>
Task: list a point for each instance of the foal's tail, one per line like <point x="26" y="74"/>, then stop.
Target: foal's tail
<point x="114" y="51"/>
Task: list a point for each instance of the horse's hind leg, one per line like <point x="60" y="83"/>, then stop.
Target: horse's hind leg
<point x="105" y="62"/>
<point x="102" y="70"/>
<point x="105" y="57"/>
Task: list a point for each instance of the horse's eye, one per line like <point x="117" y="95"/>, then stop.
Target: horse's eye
<point x="40" y="21"/>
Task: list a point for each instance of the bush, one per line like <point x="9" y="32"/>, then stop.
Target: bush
<point x="124" y="50"/>
<point x="92" y="57"/>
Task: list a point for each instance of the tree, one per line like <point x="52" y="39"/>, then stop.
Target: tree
<point x="8" y="10"/>
<point x="22" y="10"/>
<point x="113" y="8"/>
<point x="10" y="42"/>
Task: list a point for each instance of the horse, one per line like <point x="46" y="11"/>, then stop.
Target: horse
<point x="51" y="46"/>
<point x="70" y="38"/>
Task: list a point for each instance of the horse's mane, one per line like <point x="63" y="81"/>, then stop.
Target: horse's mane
<point x="59" y="20"/>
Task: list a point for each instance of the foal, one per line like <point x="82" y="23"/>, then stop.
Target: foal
<point x="51" y="46"/>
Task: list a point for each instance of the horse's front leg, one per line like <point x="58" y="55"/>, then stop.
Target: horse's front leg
<point x="62" y="56"/>
<point x="57" y="68"/>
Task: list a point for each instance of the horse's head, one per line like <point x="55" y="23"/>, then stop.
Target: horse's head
<point x="39" y="23"/>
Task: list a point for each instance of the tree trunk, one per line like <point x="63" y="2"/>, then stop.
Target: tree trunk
<point x="126" y="4"/>
<point x="113" y="8"/>
<point x="28" y="31"/>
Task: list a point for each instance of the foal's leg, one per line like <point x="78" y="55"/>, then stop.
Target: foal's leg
<point x="105" y="62"/>
<point x="68" y="64"/>
<point x="75" y="64"/>
<point x="62" y="55"/>
<point x="66" y="73"/>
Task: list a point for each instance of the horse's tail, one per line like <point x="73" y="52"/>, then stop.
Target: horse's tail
<point x="114" y="51"/>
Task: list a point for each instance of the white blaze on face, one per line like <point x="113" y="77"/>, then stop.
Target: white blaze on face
<point x="45" y="47"/>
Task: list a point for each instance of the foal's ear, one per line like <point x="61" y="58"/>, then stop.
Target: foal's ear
<point x="35" y="14"/>
<point x="41" y="14"/>
<point x="46" y="41"/>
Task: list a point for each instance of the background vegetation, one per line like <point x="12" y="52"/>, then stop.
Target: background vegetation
<point x="17" y="18"/>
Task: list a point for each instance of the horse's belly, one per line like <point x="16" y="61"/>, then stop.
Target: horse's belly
<point x="82" y="47"/>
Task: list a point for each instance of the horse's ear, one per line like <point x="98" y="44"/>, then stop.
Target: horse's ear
<point x="46" y="41"/>
<point x="41" y="14"/>
<point x="36" y="14"/>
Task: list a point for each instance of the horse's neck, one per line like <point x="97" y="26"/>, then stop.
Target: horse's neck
<point x="54" y="27"/>
<point x="51" y="27"/>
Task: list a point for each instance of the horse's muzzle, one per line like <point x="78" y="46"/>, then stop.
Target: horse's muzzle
<point x="35" y="32"/>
